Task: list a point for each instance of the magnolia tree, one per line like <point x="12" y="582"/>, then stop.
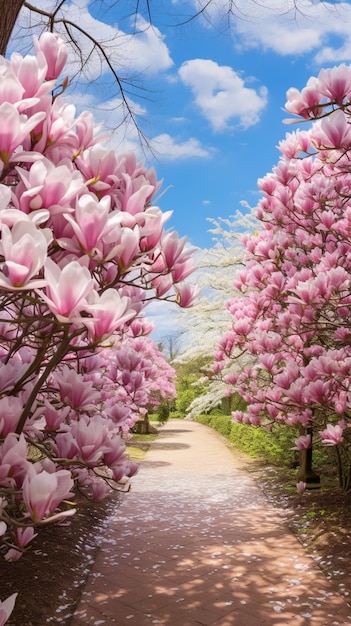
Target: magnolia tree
<point x="293" y="314"/>
<point x="83" y="249"/>
<point x="160" y="379"/>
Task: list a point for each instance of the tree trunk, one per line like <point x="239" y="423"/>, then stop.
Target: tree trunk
<point x="9" y="10"/>
<point x="306" y="473"/>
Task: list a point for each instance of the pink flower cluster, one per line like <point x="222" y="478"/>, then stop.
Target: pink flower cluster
<point x="329" y="91"/>
<point x="291" y="314"/>
<point x="82" y="250"/>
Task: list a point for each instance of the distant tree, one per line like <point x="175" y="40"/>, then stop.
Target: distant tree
<point x="170" y="345"/>
<point x="191" y="382"/>
<point x="161" y="382"/>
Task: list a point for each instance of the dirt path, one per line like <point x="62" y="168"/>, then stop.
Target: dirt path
<point x="196" y="543"/>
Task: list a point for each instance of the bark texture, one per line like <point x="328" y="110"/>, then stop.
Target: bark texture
<point x="9" y="10"/>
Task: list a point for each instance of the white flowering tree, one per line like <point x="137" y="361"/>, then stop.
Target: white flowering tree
<point x="217" y="268"/>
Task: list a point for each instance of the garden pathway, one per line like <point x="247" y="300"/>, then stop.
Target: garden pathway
<point x="195" y="542"/>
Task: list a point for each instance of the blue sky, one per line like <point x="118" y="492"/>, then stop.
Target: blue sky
<point x="212" y="148"/>
<point x="209" y="98"/>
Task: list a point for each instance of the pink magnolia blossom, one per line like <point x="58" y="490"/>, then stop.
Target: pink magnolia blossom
<point x="301" y="486"/>
<point x="332" y="435"/>
<point x="126" y="248"/>
<point x="47" y="186"/>
<point x="14" y="129"/>
<point x="114" y="453"/>
<point x="306" y="103"/>
<point x="99" y="166"/>
<point x="64" y="444"/>
<point x="174" y="250"/>
<point x="317" y="392"/>
<point x="6" y="608"/>
<point x="31" y="71"/>
<point x="12" y="89"/>
<point x="335" y="83"/>
<point x="53" y="135"/>
<point x="303" y="442"/>
<point x="341" y="403"/>
<point x="134" y="201"/>
<point x="43" y="492"/>
<point x="24" y="248"/>
<point x="55" y="51"/>
<point x="186" y="294"/>
<point x="23" y="536"/>
<point x="182" y="270"/>
<point x="162" y="285"/>
<point x="295" y="393"/>
<point x="110" y="312"/>
<point x="14" y="465"/>
<point x="10" y="413"/>
<point x="67" y="290"/>
<point x="152" y="229"/>
<point x="119" y="471"/>
<point x="91" y="485"/>
<point x="86" y="133"/>
<point x="333" y="132"/>
<point x="90" y="222"/>
<point x="74" y="390"/>
<point x="90" y="436"/>
<point x="12" y="555"/>
<point x="53" y="416"/>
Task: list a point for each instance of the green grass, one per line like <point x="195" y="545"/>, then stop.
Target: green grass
<point x="136" y="454"/>
<point x="143" y="438"/>
<point x="138" y="446"/>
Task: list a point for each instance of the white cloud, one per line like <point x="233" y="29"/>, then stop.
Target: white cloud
<point x="219" y="10"/>
<point x="160" y="148"/>
<point x="113" y="112"/>
<point x="166" y="147"/>
<point x="288" y="31"/>
<point x="282" y="37"/>
<point x="124" y="136"/>
<point x="287" y="27"/>
<point x="221" y="95"/>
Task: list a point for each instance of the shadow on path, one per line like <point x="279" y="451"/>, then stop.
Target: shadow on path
<point x="197" y="543"/>
<point x="160" y="445"/>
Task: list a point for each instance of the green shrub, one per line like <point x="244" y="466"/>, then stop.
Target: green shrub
<point x="237" y="403"/>
<point x="205" y="419"/>
<point x="163" y="412"/>
<point x="273" y="447"/>
<point x="176" y="415"/>
<point x="222" y="423"/>
<point x="184" y="399"/>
